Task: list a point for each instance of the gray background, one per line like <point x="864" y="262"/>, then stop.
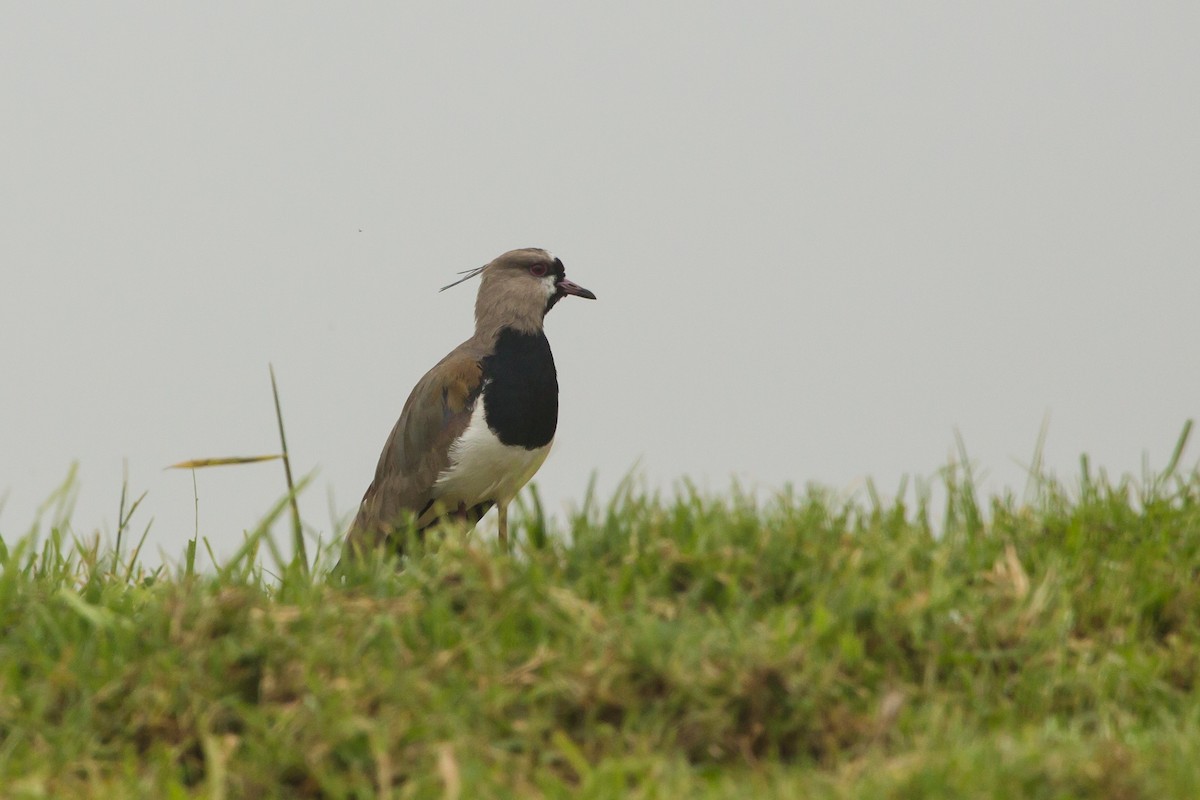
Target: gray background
<point x="824" y="236"/>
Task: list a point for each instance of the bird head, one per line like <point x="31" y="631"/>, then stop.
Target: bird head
<point x="519" y="287"/>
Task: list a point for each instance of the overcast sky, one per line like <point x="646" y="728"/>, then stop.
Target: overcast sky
<point x="823" y="238"/>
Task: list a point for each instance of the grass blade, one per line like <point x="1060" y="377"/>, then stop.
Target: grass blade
<point x="297" y="531"/>
<point x="199" y="463"/>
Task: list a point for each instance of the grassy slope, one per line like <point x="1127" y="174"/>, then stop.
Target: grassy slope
<point x="691" y="647"/>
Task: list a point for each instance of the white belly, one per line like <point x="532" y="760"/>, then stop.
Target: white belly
<point x="482" y="468"/>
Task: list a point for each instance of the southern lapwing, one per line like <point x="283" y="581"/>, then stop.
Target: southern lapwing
<point x="476" y="428"/>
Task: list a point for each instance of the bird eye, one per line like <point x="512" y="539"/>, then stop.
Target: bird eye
<point x="538" y="270"/>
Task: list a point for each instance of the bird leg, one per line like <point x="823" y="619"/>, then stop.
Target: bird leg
<point x="462" y="514"/>
<point x="502" y="511"/>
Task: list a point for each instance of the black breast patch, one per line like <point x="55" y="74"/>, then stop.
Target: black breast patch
<point x="520" y="390"/>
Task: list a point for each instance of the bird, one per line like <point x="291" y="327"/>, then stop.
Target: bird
<point x="480" y="423"/>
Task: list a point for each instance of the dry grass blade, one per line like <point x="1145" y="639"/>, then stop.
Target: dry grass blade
<point x="197" y="463"/>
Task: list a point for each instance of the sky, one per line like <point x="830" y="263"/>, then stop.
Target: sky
<point x="825" y="237"/>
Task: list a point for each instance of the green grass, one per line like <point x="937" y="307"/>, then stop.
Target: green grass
<point x="687" y="646"/>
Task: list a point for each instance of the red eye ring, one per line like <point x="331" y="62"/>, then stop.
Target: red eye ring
<point x="538" y="270"/>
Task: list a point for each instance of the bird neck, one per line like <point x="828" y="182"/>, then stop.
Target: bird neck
<point x="495" y="315"/>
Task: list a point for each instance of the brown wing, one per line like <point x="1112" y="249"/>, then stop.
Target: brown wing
<point x="435" y="414"/>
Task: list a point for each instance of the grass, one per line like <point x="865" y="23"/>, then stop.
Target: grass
<point x="650" y="647"/>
